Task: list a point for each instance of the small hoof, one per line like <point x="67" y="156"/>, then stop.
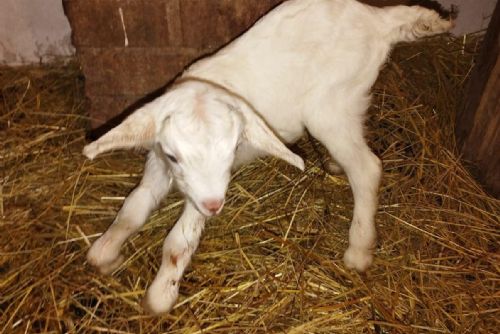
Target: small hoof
<point x="160" y="302"/>
<point x="358" y="259"/>
<point x="148" y="309"/>
<point x="107" y="266"/>
<point x="333" y="168"/>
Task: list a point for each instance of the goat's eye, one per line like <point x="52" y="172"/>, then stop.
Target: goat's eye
<point x="172" y="158"/>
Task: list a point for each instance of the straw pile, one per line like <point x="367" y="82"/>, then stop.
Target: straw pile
<point x="271" y="263"/>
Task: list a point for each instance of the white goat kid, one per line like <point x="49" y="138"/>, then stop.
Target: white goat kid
<point x="307" y="64"/>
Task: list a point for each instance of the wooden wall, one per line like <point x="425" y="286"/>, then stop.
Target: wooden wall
<point x="125" y="60"/>
<point x="478" y="123"/>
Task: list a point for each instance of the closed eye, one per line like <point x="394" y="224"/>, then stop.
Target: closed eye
<point x="169" y="155"/>
<point x="172" y="158"/>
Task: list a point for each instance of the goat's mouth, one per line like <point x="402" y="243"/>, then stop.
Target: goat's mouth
<point x="211" y="213"/>
<point x="208" y="213"/>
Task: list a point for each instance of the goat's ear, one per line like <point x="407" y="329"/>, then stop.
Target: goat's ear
<point x="137" y="130"/>
<point x="260" y="136"/>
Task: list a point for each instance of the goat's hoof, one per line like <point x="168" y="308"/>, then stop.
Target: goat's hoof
<point x="358" y="259"/>
<point x="160" y="302"/>
<point x="105" y="266"/>
<point x="108" y="268"/>
<point x="333" y="168"/>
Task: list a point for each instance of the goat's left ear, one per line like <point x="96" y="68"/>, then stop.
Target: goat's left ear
<point x="260" y="136"/>
<point x="137" y="130"/>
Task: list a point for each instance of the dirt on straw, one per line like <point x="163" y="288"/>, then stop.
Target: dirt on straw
<point x="272" y="261"/>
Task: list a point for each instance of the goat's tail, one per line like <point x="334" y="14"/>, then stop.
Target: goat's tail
<point x="416" y="22"/>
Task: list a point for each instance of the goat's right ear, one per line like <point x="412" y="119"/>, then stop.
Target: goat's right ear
<point x="137" y="130"/>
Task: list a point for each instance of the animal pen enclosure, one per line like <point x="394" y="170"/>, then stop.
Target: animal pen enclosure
<point x="271" y="262"/>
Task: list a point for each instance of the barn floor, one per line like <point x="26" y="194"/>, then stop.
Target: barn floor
<point x="272" y="261"/>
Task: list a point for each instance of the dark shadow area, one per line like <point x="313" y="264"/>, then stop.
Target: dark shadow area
<point x="450" y="13"/>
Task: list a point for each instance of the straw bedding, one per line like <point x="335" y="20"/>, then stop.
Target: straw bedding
<point x="271" y="262"/>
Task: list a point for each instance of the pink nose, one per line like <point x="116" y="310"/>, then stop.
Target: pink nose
<point x="213" y="205"/>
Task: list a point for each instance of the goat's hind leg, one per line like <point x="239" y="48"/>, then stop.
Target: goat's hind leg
<point x="344" y="140"/>
<point x="364" y="171"/>
<point x="155" y="184"/>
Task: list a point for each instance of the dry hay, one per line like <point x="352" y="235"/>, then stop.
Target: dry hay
<point x="271" y="263"/>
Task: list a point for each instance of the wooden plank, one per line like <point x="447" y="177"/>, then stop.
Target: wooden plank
<point x="131" y="71"/>
<point x="210" y="24"/>
<point x="478" y="123"/>
<point x="173" y="15"/>
<point x="121" y="23"/>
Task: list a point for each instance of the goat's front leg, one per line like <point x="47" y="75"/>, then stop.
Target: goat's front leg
<point x="155" y="184"/>
<point x="178" y="248"/>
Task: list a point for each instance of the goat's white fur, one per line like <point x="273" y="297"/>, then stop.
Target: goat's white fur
<point x="307" y="64"/>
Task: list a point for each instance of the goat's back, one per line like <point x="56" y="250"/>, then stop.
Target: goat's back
<point x="307" y="55"/>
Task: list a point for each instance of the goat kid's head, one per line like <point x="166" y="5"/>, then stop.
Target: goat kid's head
<point x="196" y="128"/>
